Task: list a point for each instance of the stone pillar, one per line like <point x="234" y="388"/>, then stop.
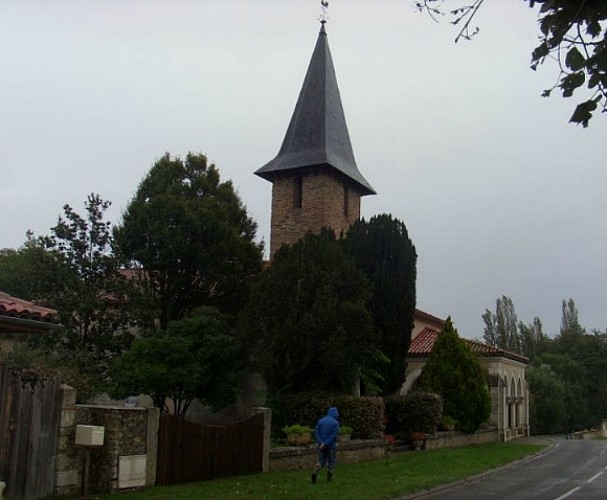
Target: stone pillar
<point x="151" y="446"/>
<point x="267" y="424"/>
<point x="527" y="423"/>
<point x="67" y="479"/>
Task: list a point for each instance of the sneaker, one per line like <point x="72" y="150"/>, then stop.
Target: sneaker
<point x="313" y="478"/>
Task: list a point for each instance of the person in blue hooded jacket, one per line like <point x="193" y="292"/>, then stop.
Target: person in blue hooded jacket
<point x="326" y="433"/>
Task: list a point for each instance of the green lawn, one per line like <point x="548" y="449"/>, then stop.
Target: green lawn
<point x="398" y="475"/>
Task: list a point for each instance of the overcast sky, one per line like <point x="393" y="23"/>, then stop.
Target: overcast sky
<point x="501" y="196"/>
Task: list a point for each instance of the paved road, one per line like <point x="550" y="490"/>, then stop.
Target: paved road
<point x="573" y="469"/>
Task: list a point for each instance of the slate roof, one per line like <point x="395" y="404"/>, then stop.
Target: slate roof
<point x="14" y="308"/>
<point x="422" y="346"/>
<point x="317" y="134"/>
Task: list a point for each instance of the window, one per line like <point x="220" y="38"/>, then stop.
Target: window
<point x="346" y="199"/>
<point x="297" y="192"/>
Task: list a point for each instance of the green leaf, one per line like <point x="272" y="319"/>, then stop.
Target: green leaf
<point x="583" y="113"/>
<point x="546" y="6"/>
<point x="594" y="29"/>
<point x="574" y="59"/>
<point x="594" y="80"/>
<point x="571" y="82"/>
<point x="539" y="53"/>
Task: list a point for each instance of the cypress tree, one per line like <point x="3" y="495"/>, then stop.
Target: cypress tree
<point x="453" y="372"/>
<point x="307" y="325"/>
<point x="382" y="249"/>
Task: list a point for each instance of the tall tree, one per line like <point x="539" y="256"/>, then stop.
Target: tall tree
<point x="191" y="234"/>
<point x="93" y="299"/>
<point x="195" y="358"/>
<point x="570" y="323"/>
<point x="32" y="272"/>
<point x="501" y="328"/>
<point x="532" y="338"/>
<point x="74" y="271"/>
<point x="547" y="411"/>
<point x="572" y="32"/>
<point x="453" y="372"/>
<point x="577" y="391"/>
<point x="571" y="330"/>
<point x="383" y="250"/>
<point x="307" y="325"/>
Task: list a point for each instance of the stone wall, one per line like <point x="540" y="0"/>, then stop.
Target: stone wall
<point x="452" y="439"/>
<point x="588" y="434"/>
<point x="304" y="457"/>
<point x="128" y="432"/>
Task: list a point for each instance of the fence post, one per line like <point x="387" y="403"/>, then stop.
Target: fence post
<point x="267" y="425"/>
<point x="151" y="447"/>
<point x="66" y="464"/>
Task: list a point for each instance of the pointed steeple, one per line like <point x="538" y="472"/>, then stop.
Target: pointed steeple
<point x="317" y="134"/>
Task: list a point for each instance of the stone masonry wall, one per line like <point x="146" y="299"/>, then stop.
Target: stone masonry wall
<point x="452" y="439"/>
<point x="322" y="205"/>
<point x="304" y="457"/>
<point x="128" y="431"/>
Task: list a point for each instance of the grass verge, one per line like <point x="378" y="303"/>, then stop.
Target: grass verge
<point x="400" y="474"/>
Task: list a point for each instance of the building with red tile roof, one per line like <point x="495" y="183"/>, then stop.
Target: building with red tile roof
<point x="505" y="369"/>
<point x="21" y="316"/>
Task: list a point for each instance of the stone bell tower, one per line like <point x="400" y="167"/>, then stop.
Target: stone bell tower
<point x="315" y="180"/>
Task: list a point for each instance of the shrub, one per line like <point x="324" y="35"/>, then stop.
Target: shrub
<point x="453" y="371"/>
<point x="364" y="414"/>
<point x="448" y="423"/>
<point x="394" y="410"/>
<point x="297" y="429"/>
<point x="417" y="411"/>
<point x="345" y="429"/>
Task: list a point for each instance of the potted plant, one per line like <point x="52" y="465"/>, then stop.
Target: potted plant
<point x="448" y="423"/>
<point x="297" y="435"/>
<point x="345" y="432"/>
<point x="419" y="440"/>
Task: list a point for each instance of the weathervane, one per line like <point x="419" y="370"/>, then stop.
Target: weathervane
<point x="323" y="15"/>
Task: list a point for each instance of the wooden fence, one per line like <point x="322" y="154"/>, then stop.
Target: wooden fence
<point x="28" y="436"/>
<point x="189" y="452"/>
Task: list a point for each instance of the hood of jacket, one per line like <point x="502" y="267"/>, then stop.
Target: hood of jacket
<point x="333" y="412"/>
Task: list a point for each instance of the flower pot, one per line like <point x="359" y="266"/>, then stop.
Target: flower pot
<point x="298" y="439"/>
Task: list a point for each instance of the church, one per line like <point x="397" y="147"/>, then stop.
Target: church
<point x="316" y="183"/>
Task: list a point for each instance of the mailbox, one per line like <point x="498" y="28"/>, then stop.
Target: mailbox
<point x="90" y="435"/>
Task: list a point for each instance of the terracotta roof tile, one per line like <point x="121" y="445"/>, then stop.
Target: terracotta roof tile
<point x="424" y="342"/>
<point x="23" y="309"/>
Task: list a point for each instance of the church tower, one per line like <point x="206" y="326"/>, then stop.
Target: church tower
<point x="315" y="180"/>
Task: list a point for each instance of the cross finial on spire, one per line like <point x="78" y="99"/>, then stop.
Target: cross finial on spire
<point x="324" y="5"/>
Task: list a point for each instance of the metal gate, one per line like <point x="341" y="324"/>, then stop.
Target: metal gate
<point x="189" y="452"/>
